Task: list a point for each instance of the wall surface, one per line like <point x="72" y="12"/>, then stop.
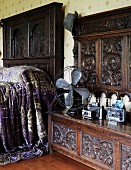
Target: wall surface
<point x="83" y="7"/>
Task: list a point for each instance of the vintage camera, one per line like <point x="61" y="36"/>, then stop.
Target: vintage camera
<point x="92" y="111"/>
<point x="116" y="114"/>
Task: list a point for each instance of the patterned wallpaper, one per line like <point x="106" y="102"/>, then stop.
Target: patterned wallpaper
<point x="84" y="7"/>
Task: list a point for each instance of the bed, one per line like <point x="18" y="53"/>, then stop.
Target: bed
<point x="25" y="94"/>
<point x="31" y="60"/>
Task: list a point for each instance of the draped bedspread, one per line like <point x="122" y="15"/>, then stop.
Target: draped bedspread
<point x="25" y="94"/>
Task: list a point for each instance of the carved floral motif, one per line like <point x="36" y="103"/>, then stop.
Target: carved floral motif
<point x="126" y="157"/>
<point x="103" y="25"/>
<point x="88" y="59"/>
<point x="98" y="149"/>
<point x="111" y="62"/>
<point x="64" y="136"/>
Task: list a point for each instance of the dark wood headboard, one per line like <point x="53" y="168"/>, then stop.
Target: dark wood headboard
<point x="102" y="46"/>
<point x="35" y="38"/>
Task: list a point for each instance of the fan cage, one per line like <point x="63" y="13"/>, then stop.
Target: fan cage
<point x="60" y="95"/>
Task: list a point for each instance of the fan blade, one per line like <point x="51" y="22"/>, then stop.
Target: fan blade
<point x="76" y="75"/>
<point x="84" y="92"/>
<point x="69" y="99"/>
<point x="61" y="83"/>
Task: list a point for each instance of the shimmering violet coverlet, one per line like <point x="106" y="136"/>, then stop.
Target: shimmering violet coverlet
<point x="25" y="94"/>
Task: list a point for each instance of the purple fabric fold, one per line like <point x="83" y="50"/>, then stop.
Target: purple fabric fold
<point x="23" y="132"/>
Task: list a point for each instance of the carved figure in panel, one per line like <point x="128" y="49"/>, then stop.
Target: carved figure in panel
<point x="38" y="42"/>
<point x="126" y="157"/>
<point x="98" y="149"/>
<point x="111" y="62"/>
<point x="17" y="44"/>
<point x="64" y="136"/>
<point x="88" y="59"/>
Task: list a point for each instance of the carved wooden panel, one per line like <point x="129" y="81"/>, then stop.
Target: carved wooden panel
<point x="35" y="37"/>
<point x="97" y="149"/>
<point x="98" y="143"/>
<point x="64" y="136"/>
<point x="111" y="32"/>
<point x="118" y="19"/>
<point x="15" y="42"/>
<point x="88" y="59"/>
<point x="129" y="61"/>
<point x="41" y="35"/>
<point x="126" y="157"/>
<point x="111" y="61"/>
<point x="103" y="25"/>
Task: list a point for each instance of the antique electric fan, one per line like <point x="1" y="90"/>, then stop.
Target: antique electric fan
<point x="71" y="92"/>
